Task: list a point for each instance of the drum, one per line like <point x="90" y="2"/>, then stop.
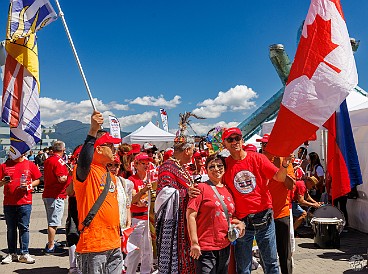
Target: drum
<point x="327" y="224"/>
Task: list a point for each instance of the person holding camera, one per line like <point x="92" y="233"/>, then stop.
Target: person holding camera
<point x="19" y="176"/>
<point x="208" y="220"/>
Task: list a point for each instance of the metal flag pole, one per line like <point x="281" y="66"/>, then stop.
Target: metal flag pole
<point x="61" y="14"/>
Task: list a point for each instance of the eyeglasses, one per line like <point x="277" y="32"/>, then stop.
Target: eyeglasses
<point x="236" y="138"/>
<point x="264" y="144"/>
<point x="212" y="167"/>
<point x="109" y="145"/>
<point x="113" y="165"/>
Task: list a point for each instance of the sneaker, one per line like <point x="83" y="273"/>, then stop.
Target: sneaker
<point x="54" y="251"/>
<point x="10" y="258"/>
<point x="59" y="244"/>
<point x="74" y="270"/>
<point x="26" y="258"/>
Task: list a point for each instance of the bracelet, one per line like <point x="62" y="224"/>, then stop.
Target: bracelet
<point x="285" y="166"/>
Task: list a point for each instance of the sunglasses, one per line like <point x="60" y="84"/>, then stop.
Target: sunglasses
<point x="236" y="138"/>
<point x="264" y="144"/>
<point x="111" y="146"/>
<point x="212" y="167"/>
<point x="113" y="165"/>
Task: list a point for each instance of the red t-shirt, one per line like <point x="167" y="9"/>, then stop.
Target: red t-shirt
<point x="247" y="179"/>
<point x="138" y="185"/>
<point x="212" y="225"/>
<point x="54" y="167"/>
<point x="13" y="194"/>
<point x="299" y="190"/>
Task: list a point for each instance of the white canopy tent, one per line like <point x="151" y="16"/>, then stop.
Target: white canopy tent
<point x="358" y="111"/>
<point x="252" y="140"/>
<point x="151" y="134"/>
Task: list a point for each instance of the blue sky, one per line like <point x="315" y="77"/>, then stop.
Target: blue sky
<point x="210" y="57"/>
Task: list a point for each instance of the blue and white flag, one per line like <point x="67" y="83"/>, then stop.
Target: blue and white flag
<point x="21" y="85"/>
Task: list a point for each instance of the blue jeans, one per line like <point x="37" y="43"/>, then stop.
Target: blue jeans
<point x="17" y="216"/>
<point x="266" y="240"/>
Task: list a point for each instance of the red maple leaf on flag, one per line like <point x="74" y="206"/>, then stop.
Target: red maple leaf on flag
<point x="313" y="50"/>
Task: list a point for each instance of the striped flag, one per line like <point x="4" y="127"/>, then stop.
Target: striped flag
<point x="21" y="85"/>
<point x="165" y="125"/>
<point x="321" y="77"/>
<point x="342" y="158"/>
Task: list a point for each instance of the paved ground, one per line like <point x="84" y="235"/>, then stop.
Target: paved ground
<point x="307" y="258"/>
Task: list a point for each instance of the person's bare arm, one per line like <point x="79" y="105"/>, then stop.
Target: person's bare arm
<point x="35" y="183"/>
<point x="281" y="174"/>
<point x="70" y="189"/>
<point x="304" y="202"/>
<point x="195" y="249"/>
<point x="289" y="182"/>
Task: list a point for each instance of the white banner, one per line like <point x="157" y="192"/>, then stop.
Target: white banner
<point x="165" y="125"/>
<point x="114" y="126"/>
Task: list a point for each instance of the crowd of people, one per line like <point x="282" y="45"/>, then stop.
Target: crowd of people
<point x="181" y="210"/>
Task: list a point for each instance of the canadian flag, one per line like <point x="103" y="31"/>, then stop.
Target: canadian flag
<point x="321" y="77"/>
<point x="127" y="247"/>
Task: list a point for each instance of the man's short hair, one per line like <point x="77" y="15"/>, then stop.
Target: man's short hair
<point x="58" y="146"/>
<point x="183" y="142"/>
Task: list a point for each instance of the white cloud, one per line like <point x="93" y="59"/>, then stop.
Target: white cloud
<point x="203" y="129"/>
<point x="235" y="99"/>
<point x="54" y="111"/>
<point x="129" y="120"/>
<point x="156" y="102"/>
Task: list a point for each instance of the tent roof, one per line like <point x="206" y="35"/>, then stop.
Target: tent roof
<point x="149" y="133"/>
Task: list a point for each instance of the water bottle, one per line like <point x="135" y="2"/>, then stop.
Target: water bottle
<point x="23" y="181"/>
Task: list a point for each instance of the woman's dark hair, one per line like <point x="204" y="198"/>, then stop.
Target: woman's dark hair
<point x="314" y="159"/>
<point x="215" y="157"/>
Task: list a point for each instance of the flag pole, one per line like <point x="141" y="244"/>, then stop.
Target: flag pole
<point x="61" y="14"/>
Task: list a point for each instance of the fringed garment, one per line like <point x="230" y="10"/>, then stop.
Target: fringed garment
<point x="173" y="244"/>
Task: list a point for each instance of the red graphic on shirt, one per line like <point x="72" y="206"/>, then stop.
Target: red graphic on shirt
<point x="313" y="50"/>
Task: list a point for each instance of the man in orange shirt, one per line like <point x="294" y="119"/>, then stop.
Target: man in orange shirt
<point x="98" y="249"/>
<point x="281" y="201"/>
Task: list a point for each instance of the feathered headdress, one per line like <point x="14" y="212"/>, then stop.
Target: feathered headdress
<point x="182" y="135"/>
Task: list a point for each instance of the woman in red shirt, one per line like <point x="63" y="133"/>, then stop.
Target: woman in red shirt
<point x="207" y="221"/>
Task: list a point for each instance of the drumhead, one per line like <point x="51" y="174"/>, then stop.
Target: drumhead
<point x="328" y="211"/>
<point x="334" y="221"/>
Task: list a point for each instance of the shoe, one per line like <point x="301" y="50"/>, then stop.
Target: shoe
<point x="59" y="244"/>
<point x="10" y="258"/>
<point x="74" y="270"/>
<point x="54" y="251"/>
<point x="26" y="258"/>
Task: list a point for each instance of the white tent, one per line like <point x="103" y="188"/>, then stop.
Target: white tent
<point x="358" y="111"/>
<point x="152" y="134"/>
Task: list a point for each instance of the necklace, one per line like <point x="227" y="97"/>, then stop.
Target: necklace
<point x="183" y="171"/>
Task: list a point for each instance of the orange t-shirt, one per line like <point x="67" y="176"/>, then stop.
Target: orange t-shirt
<point x="104" y="231"/>
<point x="280" y="195"/>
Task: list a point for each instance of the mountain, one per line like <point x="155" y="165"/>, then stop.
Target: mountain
<point x="73" y="133"/>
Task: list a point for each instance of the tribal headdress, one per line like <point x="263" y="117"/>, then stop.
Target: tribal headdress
<point x="182" y="135"/>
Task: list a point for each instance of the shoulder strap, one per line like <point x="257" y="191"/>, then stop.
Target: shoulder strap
<point x="96" y="206"/>
<point x="224" y="207"/>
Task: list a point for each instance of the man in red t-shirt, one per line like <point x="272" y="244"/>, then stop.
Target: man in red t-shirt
<point x="139" y="209"/>
<point x="301" y="197"/>
<point x="54" y="193"/>
<point x="19" y="176"/>
<point x="247" y="176"/>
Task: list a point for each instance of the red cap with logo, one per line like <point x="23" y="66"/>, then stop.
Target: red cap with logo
<point x="264" y="139"/>
<point x="136" y="148"/>
<point x="250" y="147"/>
<point x="230" y="131"/>
<point x="143" y="157"/>
<point x="107" y="138"/>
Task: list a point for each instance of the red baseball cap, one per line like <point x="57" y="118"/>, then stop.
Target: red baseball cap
<point x="143" y="157"/>
<point x="264" y="139"/>
<point x="297" y="161"/>
<point x="136" y="148"/>
<point x="107" y="139"/>
<point x="230" y="131"/>
<point x="250" y="147"/>
<point x="168" y="153"/>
